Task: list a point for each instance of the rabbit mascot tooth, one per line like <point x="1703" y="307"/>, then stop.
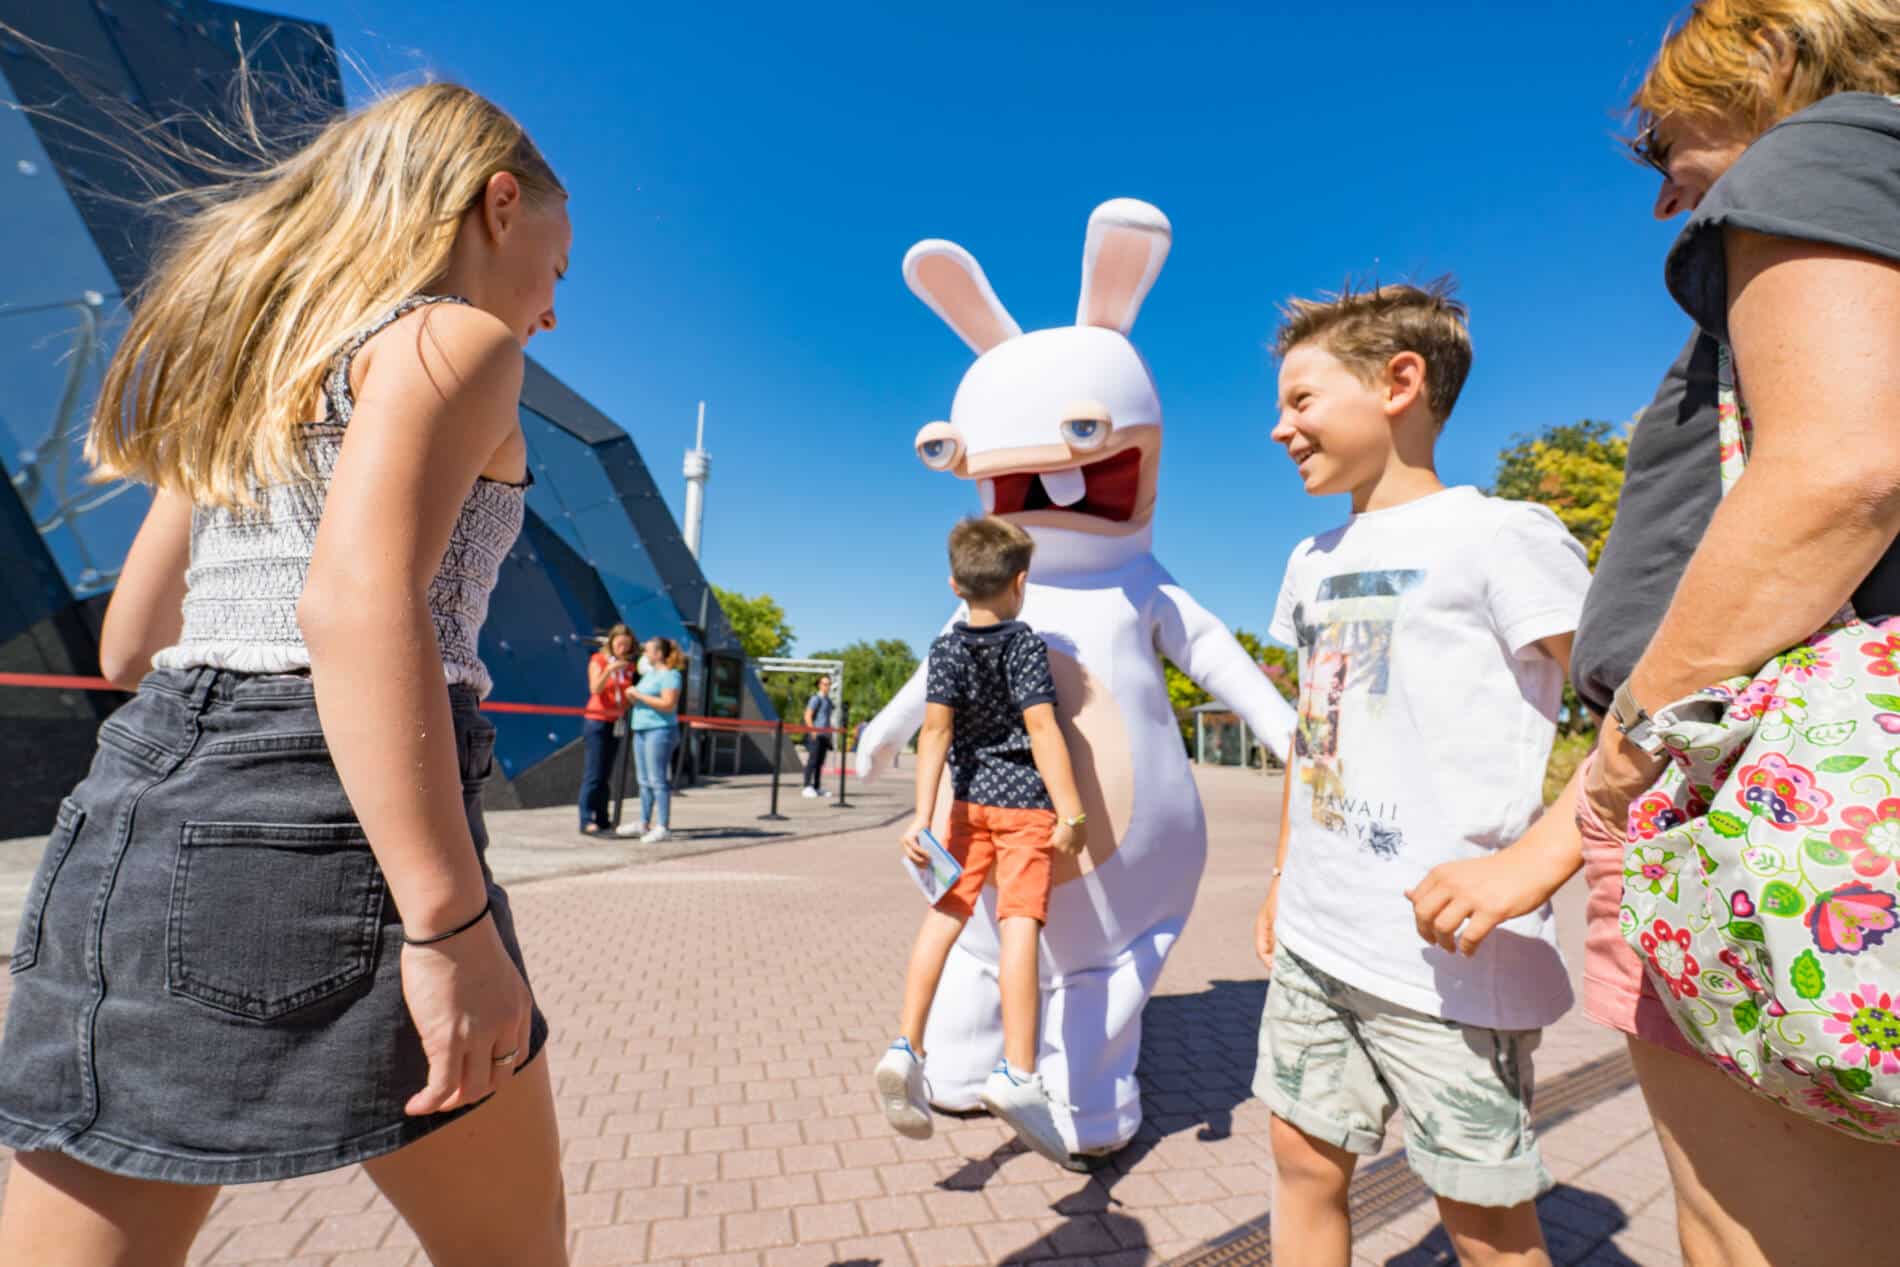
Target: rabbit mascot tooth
<point x="1061" y="431"/>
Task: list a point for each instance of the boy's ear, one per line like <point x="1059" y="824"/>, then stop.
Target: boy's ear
<point x="953" y="587"/>
<point x="1404" y="383"/>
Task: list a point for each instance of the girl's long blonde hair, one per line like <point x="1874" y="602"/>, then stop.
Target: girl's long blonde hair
<point x="255" y="291"/>
<point x="1719" y="61"/>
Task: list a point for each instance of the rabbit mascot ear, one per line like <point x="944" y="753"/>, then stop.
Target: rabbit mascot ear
<point x="949" y="280"/>
<point x="1127" y="244"/>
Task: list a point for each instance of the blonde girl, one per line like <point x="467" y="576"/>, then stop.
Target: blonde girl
<point x="263" y="941"/>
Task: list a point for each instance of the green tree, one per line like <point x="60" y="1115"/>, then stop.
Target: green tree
<point x="759" y="621"/>
<point x="1279" y="664"/>
<point x="1576" y="469"/>
<point x="873" y="673"/>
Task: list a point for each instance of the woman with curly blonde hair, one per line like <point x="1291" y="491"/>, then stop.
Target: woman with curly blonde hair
<point x="263" y="941"/>
<point x="1774" y="125"/>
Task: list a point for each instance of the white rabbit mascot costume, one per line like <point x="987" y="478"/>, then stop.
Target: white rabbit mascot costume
<point x="1061" y="430"/>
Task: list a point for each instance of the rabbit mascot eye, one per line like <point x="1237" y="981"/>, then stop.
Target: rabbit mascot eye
<point x="1060" y="430"/>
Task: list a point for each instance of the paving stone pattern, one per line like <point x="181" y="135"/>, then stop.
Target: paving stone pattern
<point x="715" y="1022"/>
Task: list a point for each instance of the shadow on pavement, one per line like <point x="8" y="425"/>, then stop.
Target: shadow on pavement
<point x="1577" y="1226"/>
<point x="1197" y="1060"/>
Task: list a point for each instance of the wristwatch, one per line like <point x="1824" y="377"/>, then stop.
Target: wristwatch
<point x="1637" y="725"/>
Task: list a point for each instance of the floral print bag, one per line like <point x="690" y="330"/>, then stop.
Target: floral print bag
<point x="1762" y="872"/>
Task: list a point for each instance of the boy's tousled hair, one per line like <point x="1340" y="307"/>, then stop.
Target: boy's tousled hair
<point x="1365" y="329"/>
<point x="986" y="554"/>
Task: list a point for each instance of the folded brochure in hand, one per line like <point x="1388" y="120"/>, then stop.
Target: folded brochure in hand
<point x="940" y="875"/>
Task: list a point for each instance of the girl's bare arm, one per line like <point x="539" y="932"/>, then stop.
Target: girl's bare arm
<point x="438" y="400"/>
<point x="146" y="612"/>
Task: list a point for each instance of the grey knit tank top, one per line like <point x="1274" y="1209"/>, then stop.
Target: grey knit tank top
<point x="248" y="566"/>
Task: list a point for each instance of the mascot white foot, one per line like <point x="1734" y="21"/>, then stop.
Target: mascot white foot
<point x="1061" y="431"/>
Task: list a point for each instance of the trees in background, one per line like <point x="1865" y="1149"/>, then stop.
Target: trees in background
<point x="758" y="621"/>
<point x="873" y="673"/>
<point x="1576" y="469"/>
<point x="1279" y="664"/>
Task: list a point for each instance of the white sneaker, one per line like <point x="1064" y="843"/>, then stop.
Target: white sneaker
<point x="809" y="793"/>
<point x="655" y="836"/>
<point x="900" y="1092"/>
<point x="630" y="831"/>
<point x="1025" y="1105"/>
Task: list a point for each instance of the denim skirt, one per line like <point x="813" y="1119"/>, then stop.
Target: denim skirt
<point x="207" y="982"/>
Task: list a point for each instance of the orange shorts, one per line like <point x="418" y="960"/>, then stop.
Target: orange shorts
<point x="1012" y="842"/>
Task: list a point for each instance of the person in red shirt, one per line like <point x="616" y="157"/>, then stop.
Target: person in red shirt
<point x="610" y="671"/>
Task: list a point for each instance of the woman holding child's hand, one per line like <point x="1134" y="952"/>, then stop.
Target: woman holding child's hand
<point x="1777" y="128"/>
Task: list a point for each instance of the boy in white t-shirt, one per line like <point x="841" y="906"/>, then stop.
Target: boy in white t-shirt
<point x="1433" y="630"/>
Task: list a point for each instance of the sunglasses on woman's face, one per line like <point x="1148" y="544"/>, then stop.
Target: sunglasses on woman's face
<point x="1649" y="153"/>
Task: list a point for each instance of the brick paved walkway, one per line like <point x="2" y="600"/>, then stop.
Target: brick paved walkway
<point x="715" y="1020"/>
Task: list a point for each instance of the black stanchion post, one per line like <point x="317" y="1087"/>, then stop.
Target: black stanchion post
<point x="682" y="762"/>
<point x="778" y="755"/>
<point x="626" y="759"/>
<point x="844" y="753"/>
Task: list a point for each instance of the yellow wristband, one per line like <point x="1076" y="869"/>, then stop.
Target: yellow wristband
<point x="1077" y="821"/>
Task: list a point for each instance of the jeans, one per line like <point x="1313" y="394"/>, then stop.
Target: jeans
<point x="652" y="755"/>
<point x="601" y="745"/>
<point x="817" y="748"/>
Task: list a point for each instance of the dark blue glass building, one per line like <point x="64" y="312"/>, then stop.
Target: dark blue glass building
<point x="599" y="545"/>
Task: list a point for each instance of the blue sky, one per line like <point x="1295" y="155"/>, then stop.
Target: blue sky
<point x="746" y="179"/>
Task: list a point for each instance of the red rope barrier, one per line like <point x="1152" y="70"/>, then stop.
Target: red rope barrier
<point x="61" y="682"/>
<point x="552" y="710"/>
<point x="55" y="681"/>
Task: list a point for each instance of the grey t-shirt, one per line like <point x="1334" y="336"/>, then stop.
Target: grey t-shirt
<point x="1671" y="484"/>
<point x="1828" y="174"/>
<point x="820" y="708"/>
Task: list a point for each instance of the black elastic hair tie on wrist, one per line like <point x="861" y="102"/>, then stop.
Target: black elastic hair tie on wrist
<point x="457" y="931"/>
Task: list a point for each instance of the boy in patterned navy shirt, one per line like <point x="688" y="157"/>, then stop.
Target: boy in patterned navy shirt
<point x="991" y="716"/>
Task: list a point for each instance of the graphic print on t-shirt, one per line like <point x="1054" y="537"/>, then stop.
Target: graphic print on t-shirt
<point x="1345" y="644"/>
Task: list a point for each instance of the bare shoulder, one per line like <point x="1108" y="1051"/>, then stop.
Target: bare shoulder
<point x="450" y="350"/>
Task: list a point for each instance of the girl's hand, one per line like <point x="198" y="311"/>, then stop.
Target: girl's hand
<point x="472" y="1008"/>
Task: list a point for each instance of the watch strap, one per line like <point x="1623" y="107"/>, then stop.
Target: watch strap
<point x="1634" y="721"/>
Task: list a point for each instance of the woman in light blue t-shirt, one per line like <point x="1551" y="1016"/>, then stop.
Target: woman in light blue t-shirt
<point x="655" y="724"/>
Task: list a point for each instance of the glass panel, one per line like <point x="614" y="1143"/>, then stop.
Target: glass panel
<point x="535" y="644"/>
<point x="728" y="675"/>
<point x="60" y="315"/>
<point x="573" y="494"/>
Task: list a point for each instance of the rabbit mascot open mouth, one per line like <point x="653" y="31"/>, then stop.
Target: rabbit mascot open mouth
<point x="1061" y="430"/>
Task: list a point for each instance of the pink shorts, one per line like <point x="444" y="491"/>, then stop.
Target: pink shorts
<point x="1616" y="990"/>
